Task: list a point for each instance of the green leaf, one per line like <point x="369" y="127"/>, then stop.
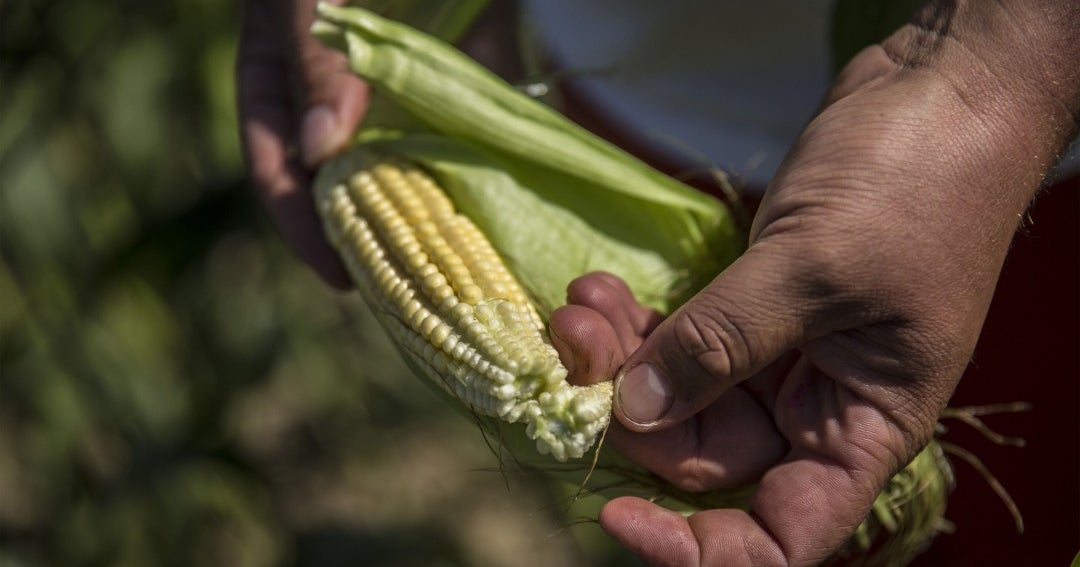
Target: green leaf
<point x="447" y="21"/>
<point x="673" y="239"/>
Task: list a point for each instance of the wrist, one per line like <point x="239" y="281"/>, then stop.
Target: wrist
<point x="1011" y="65"/>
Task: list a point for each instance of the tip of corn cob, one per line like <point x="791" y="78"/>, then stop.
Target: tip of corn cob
<point x="567" y="421"/>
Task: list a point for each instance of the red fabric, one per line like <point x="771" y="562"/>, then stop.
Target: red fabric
<point x="1029" y="350"/>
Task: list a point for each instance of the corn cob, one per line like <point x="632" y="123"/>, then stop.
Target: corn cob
<point x="589" y="207"/>
<point x="449" y="300"/>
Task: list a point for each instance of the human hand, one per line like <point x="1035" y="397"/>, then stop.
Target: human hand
<point x="298" y="107"/>
<point x="818" y="362"/>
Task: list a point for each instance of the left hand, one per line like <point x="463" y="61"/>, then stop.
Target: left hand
<point x="299" y="106"/>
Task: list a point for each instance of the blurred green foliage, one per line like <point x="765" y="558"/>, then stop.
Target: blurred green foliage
<point x="857" y="24"/>
<point x="175" y="388"/>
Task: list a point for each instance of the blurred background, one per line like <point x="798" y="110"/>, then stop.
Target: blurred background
<point x="177" y="389"/>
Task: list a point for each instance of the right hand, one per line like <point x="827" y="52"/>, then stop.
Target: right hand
<point x="818" y="361"/>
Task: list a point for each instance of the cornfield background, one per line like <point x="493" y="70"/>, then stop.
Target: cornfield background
<point x="175" y="387"/>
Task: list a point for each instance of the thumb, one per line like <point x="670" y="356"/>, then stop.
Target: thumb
<point x="747" y="317"/>
<point x="331" y="99"/>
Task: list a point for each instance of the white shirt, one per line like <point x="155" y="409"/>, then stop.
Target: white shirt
<point x="705" y="83"/>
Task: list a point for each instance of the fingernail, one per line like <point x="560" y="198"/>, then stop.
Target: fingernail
<point x="644" y="394"/>
<point x="318" y="135"/>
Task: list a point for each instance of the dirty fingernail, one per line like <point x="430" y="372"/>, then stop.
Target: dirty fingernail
<point x="644" y="395"/>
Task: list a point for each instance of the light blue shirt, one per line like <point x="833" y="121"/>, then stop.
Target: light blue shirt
<point x="701" y="83"/>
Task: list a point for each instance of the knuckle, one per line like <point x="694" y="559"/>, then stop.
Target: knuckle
<point x="588" y="291"/>
<point x="714" y="341"/>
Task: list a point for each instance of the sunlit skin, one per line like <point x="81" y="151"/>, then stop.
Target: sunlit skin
<point x="819" y="360"/>
<point x="298" y="107"/>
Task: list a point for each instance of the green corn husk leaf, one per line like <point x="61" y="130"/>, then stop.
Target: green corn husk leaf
<point x="689" y="235"/>
<point x="558" y="202"/>
<point x="511" y="214"/>
<point x="447" y="21"/>
<point x="905" y="517"/>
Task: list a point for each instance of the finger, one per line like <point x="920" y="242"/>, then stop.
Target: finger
<point x="587" y="344"/>
<point x="657" y="535"/>
<point x="749" y="316"/>
<point x="802" y="512"/>
<point x="610" y="297"/>
<point x="267" y="124"/>
<point x="729" y="444"/>
<point x="331" y="98"/>
<point x="806" y="506"/>
<point x="643" y="319"/>
<point x="664" y="537"/>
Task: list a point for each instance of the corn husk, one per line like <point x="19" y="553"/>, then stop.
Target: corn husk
<point x="595" y="206"/>
<point x="558" y="202"/>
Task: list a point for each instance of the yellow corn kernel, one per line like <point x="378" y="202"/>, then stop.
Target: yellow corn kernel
<point x="449" y="300"/>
